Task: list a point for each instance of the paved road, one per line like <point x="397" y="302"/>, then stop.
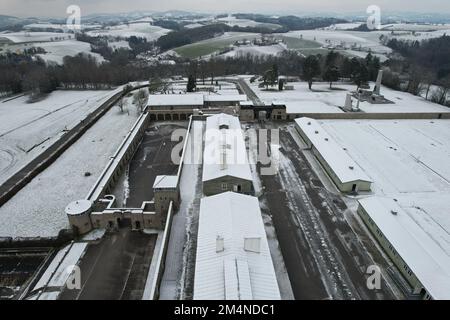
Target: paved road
<point x="20" y="179"/>
<point x="322" y="254"/>
<point x="116" y="268"/>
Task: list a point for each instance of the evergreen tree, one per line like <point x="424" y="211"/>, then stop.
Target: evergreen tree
<point x="311" y="69"/>
<point x="191" y="84"/>
<point x="331" y="75"/>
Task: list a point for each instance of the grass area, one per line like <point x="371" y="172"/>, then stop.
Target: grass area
<point x="313" y="51"/>
<point x="297" y="43"/>
<point x="210" y="46"/>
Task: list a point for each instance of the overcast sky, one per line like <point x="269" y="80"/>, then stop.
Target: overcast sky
<point x="57" y="8"/>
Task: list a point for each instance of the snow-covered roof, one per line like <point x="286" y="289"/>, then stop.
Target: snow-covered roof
<point x="225" y="97"/>
<point x="225" y="153"/>
<point x="163" y="182"/>
<point x="426" y="259"/>
<point x="166" y="100"/>
<point x="227" y="91"/>
<point x="233" y="273"/>
<point x="345" y="168"/>
<point x="78" y="207"/>
<point x="246" y="103"/>
<point x="309" y="107"/>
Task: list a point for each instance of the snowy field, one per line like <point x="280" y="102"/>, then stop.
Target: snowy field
<point x="243" y="23"/>
<point x="254" y="50"/>
<point x="27" y="129"/>
<point x="344" y="26"/>
<point x="27" y="37"/>
<point x="323" y="100"/>
<point x="408" y="160"/>
<point x="56" y="45"/>
<point x="210" y="46"/>
<point x="142" y="30"/>
<point x="56" y="51"/>
<point x="367" y="40"/>
<point x="54" y="26"/>
<point x="38" y="209"/>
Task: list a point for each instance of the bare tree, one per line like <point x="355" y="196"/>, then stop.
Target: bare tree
<point x="440" y="95"/>
<point x="120" y="104"/>
<point x="429" y="78"/>
<point x="140" y="99"/>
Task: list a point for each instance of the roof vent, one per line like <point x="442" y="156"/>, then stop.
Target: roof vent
<point x="351" y="168"/>
<point x="316" y="132"/>
<point x="252" y="244"/>
<point x="220" y="245"/>
<point x="309" y="123"/>
<point x="326" y="139"/>
<point x="394" y="212"/>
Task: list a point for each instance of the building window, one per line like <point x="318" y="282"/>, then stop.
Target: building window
<point x="224" y="186"/>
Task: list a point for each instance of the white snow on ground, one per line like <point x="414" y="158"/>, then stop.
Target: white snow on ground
<point x="58" y="26"/>
<point x="95" y="234"/>
<point x="363" y="54"/>
<point x="38" y="209"/>
<point x="415" y="27"/>
<point x="142" y="30"/>
<point x="57" y="50"/>
<point x="61" y="275"/>
<point x="233" y="21"/>
<point x="344" y="26"/>
<point x="254" y="50"/>
<point x="367" y="40"/>
<point x="27" y="37"/>
<point x="46" y="26"/>
<point x="323" y="100"/>
<point x="24" y="125"/>
<point x="408" y="160"/>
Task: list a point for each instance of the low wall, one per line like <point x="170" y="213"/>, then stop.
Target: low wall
<point x="372" y="116"/>
<point x="153" y="292"/>
<point x="183" y="154"/>
<point x="118" y="162"/>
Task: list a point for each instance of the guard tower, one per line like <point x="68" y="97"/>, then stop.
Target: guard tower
<point x="78" y="213"/>
<point x="166" y="190"/>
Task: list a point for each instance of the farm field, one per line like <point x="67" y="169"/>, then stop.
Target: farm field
<point x="207" y="47"/>
<point x="142" y="30"/>
<point x="57" y="45"/>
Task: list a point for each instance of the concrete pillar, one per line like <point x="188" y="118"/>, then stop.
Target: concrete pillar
<point x="377" y="88"/>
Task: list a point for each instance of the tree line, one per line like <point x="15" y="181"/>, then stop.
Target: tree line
<point x="423" y="69"/>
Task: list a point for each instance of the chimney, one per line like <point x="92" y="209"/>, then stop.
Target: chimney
<point x="252" y="244"/>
